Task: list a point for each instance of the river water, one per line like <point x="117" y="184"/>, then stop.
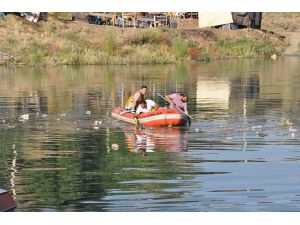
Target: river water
<point x="241" y="152"/>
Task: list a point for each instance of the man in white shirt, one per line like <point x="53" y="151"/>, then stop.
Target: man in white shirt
<point x="146" y="106"/>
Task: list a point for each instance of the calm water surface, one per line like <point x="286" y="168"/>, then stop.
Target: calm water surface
<point x="241" y="153"/>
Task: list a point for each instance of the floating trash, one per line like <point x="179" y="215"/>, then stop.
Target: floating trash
<point x="274" y="57"/>
<point x="96" y="128"/>
<point x="286" y="122"/>
<point x="44" y="116"/>
<point x="115" y="147"/>
<point x="149" y="150"/>
<point x="97" y="122"/>
<point x="197" y="130"/>
<point x="24" y="117"/>
<point x="61" y="115"/>
<point x="261" y="134"/>
<point x="257" y="127"/>
<point x="88" y="112"/>
<point x="291" y="129"/>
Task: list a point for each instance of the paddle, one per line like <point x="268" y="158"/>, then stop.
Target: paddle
<point x="189" y="117"/>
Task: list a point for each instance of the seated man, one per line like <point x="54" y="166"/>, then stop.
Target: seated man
<point x="178" y="101"/>
<point x="147" y="106"/>
<point x="134" y="100"/>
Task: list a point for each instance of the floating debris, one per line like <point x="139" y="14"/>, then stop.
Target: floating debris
<point x="282" y="134"/>
<point x="115" y="147"/>
<point x="44" y="116"/>
<point x="261" y="134"/>
<point x="96" y="128"/>
<point x="61" y="115"/>
<point x="97" y="122"/>
<point x="291" y="129"/>
<point x="274" y="57"/>
<point x="24" y="117"/>
<point x="149" y="150"/>
<point x="88" y="112"/>
<point x="257" y="127"/>
<point x="286" y="122"/>
<point x="197" y="130"/>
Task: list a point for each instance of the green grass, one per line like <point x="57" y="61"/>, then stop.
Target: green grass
<point x="244" y="47"/>
<point x="110" y="44"/>
<point x="12" y="42"/>
<point x="34" y="53"/>
<point x="69" y="35"/>
<point x="146" y="37"/>
<point x="180" y="47"/>
<point x="205" y="55"/>
<point x="70" y="55"/>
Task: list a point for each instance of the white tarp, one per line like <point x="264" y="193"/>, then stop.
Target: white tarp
<point x="210" y="19"/>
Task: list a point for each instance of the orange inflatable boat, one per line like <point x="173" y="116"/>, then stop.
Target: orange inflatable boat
<point x="7" y="203"/>
<point x="161" y="117"/>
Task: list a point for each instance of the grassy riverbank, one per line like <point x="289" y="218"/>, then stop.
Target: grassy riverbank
<point x="55" y="42"/>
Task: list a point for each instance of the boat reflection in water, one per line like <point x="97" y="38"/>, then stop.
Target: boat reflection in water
<point x="151" y="139"/>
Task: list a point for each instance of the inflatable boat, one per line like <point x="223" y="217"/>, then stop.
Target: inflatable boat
<point x="7" y="203"/>
<point x="160" y="117"/>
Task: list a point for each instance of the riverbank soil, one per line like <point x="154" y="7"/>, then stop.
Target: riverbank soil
<point x="56" y="42"/>
<point x="286" y="24"/>
<point x="294" y="43"/>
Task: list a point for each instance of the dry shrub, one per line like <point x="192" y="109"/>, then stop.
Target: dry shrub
<point x="54" y="47"/>
<point x="193" y="53"/>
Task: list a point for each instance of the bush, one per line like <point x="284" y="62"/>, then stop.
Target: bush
<point x="70" y="56"/>
<point x="179" y="48"/>
<point x="193" y="53"/>
<point x="244" y="47"/>
<point x="204" y="54"/>
<point x="35" y="52"/>
<point x="11" y="42"/>
<point x="110" y="44"/>
<point x="145" y="37"/>
<point x="69" y="35"/>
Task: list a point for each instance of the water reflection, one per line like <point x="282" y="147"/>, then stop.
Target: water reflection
<point x="58" y="161"/>
<point x="149" y="139"/>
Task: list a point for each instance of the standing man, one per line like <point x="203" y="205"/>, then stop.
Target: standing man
<point x="134" y="100"/>
<point x="178" y="100"/>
